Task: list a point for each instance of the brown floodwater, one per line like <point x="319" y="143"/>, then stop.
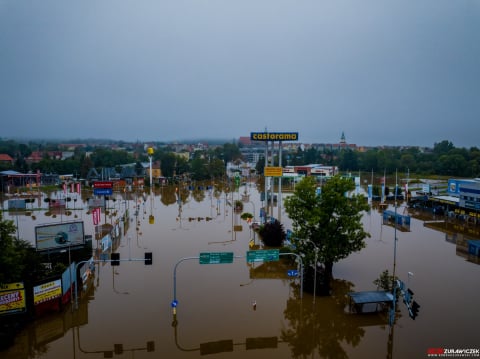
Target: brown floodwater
<point x="254" y="310"/>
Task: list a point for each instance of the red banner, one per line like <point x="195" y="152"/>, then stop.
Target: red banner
<point x="96" y="216"/>
<point x="103" y="184"/>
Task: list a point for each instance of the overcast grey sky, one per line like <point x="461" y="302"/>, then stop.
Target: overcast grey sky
<point x="384" y="72"/>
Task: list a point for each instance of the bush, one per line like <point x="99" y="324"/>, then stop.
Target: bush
<point x="238" y="206"/>
<point x="246" y="215"/>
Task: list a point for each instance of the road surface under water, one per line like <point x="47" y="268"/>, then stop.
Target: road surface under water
<point x="241" y="309"/>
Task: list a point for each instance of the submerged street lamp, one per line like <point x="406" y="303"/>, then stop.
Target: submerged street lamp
<point x="151" y="218"/>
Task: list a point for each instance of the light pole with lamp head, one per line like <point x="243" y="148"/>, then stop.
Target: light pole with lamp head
<point x="151" y="219"/>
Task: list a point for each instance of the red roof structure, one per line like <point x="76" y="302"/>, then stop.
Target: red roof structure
<point x="6" y="158"/>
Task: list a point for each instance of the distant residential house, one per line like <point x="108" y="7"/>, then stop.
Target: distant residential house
<point x="34" y="157"/>
<point x="245" y="141"/>
<point x="6" y="159"/>
<point x="183" y="154"/>
<point x="156" y="170"/>
<point x="67" y="154"/>
<point x="71" y="146"/>
<point x="37" y="156"/>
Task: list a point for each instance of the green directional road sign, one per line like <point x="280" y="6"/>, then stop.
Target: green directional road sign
<point x="216" y="257"/>
<point x="264" y="255"/>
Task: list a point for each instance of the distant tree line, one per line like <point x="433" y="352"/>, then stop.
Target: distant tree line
<point x="443" y="159"/>
<point x="200" y="165"/>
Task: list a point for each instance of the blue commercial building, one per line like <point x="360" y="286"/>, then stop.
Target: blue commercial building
<point x="470" y="195"/>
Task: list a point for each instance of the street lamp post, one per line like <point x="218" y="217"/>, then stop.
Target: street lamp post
<point x="150" y="154"/>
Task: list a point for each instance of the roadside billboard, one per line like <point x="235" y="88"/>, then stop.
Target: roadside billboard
<point x="61" y="235"/>
<point x="47" y="291"/>
<point x="12" y="298"/>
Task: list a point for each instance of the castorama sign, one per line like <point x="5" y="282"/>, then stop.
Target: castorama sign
<point x="274" y="136"/>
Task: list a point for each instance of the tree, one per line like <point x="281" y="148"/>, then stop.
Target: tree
<point x="349" y="160"/>
<point x="18" y="259"/>
<point x="231" y="152"/>
<point x="167" y="164"/>
<point x="272" y="233"/>
<point x="85" y="165"/>
<point x="443" y="147"/>
<point x="328" y="223"/>
<point x="198" y="168"/>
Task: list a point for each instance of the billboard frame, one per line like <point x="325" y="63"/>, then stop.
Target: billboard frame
<point x="59" y="235"/>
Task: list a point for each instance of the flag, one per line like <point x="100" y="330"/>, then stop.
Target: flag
<point x="96" y="216"/>
<point x="64" y="188"/>
<point x="78" y="187"/>
<point x="72" y="188"/>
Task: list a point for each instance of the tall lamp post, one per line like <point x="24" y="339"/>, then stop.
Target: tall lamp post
<point x="151" y="219"/>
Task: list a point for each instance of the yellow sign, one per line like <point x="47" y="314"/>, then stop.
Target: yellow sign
<point x="12" y="298"/>
<point x="272" y="171"/>
<point x="274" y="136"/>
<point x="47" y="291"/>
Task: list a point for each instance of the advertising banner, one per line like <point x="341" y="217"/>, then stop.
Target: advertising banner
<point x="96" y="216"/>
<point x="47" y="291"/>
<point x="96" y="202"/>
<point x="12" y="298"/>
<point x="59" y="235"/>
<point x="103" y="184"/>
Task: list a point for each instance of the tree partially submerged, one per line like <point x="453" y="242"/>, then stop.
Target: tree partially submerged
<point x="18" y="259"/>
<point x="272" y="233"/>
<point x="328" y="223"/>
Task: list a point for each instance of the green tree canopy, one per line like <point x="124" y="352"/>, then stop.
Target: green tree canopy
<point x="329" y="222"/>
<point x="18" y="258"/>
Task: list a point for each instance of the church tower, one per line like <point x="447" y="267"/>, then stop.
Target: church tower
<point x="343" y="141"/>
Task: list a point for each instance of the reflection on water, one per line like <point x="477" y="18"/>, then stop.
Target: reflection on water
<point x="241" y="309"/>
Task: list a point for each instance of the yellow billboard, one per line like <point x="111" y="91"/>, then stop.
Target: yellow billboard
<point x="47" y="291"/>
<point x="12" y="298"/>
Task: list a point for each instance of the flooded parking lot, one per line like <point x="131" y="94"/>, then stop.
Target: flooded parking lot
<point x="254" y="310"/>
